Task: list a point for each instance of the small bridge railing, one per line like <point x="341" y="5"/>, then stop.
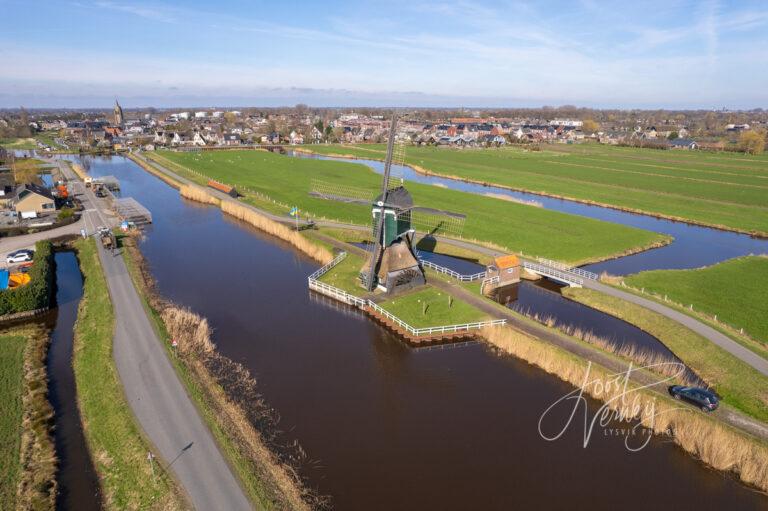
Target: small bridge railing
<point x="569" y="269"/>
<point x="447" y="271"/>
<point x="549" y="271"/>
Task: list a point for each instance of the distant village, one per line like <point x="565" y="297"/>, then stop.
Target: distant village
<point x="197" y="128"/>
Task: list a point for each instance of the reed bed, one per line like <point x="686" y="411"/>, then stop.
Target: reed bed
<point x="196" y="193"/>
<point x="273" y="228"/>
<point x="149" y="168"/>
<point x="662" y="364"/>
<point x="714" y="443"/>
<point x="79" y="170"/>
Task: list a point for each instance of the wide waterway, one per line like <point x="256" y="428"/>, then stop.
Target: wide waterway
<point x="694" y="246"/>
<point x="387" y="427"/>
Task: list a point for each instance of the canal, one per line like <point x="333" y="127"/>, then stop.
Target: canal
<point x="384" y="426"/>
<point x="693" y="246"/>
<point x="78" y="482"/>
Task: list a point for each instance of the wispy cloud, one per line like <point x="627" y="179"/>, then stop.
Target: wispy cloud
<point x="146" y="12"/>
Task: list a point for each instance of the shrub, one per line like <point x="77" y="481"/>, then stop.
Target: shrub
<point x="65" y="213"/>
<point x="36" y="294"/>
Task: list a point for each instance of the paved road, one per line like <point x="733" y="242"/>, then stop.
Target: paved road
<point x="156" y="396"/>
<point x="728" y="344"/>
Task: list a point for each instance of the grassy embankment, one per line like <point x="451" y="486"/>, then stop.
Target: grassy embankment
<point x="508" y="225"/>
<point x="713" y="442"/>
<point x="18" y="143"/>
<point x="115" y="441"/>
<point x="740" y="385"/>
<point x="27" y="455"/>
<point x="735" y="291"/>
<point x="225" y="394"/>
<point x="722" y="190"/>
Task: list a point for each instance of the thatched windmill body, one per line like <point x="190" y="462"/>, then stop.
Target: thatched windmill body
<point x="392" y="264"/>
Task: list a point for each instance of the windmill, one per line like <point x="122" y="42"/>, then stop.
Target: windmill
<point x="392" y="263"/>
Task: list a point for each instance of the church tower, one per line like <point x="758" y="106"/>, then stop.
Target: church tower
<point x="118" y="114"/>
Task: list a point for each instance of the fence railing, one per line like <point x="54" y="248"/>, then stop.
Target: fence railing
<point x="447" y="329"/>
<point x="553" y="272"/>
<point x="447" y="271"/>
<point x="568" y="269"/>
<point x="343" y="296"/>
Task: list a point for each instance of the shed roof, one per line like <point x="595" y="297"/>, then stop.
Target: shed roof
<point x="507" y="261"/>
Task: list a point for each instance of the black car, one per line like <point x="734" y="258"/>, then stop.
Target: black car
<point x="703" y="398"/>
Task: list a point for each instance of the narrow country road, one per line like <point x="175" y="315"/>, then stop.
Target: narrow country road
<point x="721" y="340"/>
<point x="154" y="392"/>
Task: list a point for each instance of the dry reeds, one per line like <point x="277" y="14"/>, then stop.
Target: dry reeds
<point x="278" y="230"/>
<point x="37" y="485"/>
<point x="662" y="364"/>
<point x="196" y="193"/>
<point x="713" y="442"/>
<point x="79" y="170"/>
<point x="191" y="332"/>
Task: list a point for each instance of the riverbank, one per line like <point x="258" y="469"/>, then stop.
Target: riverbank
<point x="715" y="444"/>
<point x="117" y="445"/>
<point x="488" y="164"/>
<point x="740" y="386"/>
<point x="227" y="396"/>
<point x="27" y="456"/>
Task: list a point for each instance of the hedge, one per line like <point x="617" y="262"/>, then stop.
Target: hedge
<point x="36" y="294"/>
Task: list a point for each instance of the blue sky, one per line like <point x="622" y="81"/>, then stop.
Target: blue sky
<point x="672" y="54"/>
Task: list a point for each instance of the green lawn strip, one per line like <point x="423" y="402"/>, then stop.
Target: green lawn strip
<point x="740" y="385"/>
<point x="735" y="290"/>
<point x="11" y="387"/>
<point x="427" y="307"/>
<point x="682" y="190"/>
<point x="750" y="343"/>
<point x="242" y="466"/>
<point x="345" y="275"/>
<point x="512" y="226"/>
<point x="115" y="441"/>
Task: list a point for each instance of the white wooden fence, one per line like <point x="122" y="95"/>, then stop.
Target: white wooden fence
<point x="343" y="296"/>
<point x="447" y="271"/>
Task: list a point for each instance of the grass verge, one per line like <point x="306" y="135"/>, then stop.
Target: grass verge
<point x="226" y="396"/>
<point x="27" y="455"/>
<point x="740" y="385"/>
<point x="734" y="291"/>
<point x="117" y="445"/>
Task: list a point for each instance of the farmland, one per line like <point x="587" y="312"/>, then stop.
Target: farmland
<point x="724" y="190"/>
<point x="734" y="290"/>
<point x="11" y="382"/>
<point x="512" y="226"/>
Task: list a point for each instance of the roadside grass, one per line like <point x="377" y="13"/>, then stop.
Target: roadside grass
<point x="429" y="306"/>
<point x="714" y="189"/>
<point x="713" y="442"/>
<point x="235" y="436"/>
<point x="735" y="290"/>
<point x="510" y="226"/>
<point x="740" y="385"/>
<point x="11" y="388"/>
<point x="117" y="445"/>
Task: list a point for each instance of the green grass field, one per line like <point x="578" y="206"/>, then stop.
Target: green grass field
<point x="11" y="385"/>
<point x="740" y="385"/>
<point x="720" y="189"/>
<point x="735" y="290"/>
<point x="430" y="307"/>
<point x="18" y="143"/>
<point x="517" y="227"/>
